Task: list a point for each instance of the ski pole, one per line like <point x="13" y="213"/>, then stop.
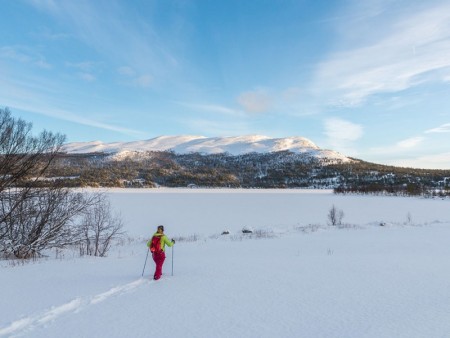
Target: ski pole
<point x="172" y="260"/>
<point x="145" y="263"/>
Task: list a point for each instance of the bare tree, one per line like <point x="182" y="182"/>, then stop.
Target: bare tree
<point x="46" y="218"/>
<point x="33" y="219"/>
<point x="99" y="228"/>
<point x="23" y="155"/>
<point x="335" y="216"/>
<point x="23" y="158"/>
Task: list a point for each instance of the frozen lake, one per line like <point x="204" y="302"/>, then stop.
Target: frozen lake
<point x="210" y="211"/>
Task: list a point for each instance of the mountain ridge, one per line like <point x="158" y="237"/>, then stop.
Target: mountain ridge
<point x="185" y="144"/>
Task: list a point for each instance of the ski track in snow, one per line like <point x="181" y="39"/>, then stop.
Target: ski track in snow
<point x="74" y="306"/>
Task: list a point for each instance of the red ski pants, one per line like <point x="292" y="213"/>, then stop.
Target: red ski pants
<point x="159" y="258"/>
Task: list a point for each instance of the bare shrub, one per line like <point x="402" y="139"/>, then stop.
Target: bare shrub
<point x="256" y="234"/>
<point x="263" y="234"/>
<point x="335" y="216"/>
<point x="99" y="228"/>
<point x="190" y="238"/>
<point x="307" y="228"/>
<point x="127" y="240"/>
<point x="348" y="226"/>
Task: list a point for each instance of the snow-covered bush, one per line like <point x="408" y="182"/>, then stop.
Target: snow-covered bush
<point x="335" y="216"/>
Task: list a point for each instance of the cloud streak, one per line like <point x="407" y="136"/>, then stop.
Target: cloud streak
<point x="410" y="142"/>
<point x="412" y="49"/>
<point x="41" y="98"/>
<point x="445" y="128"/>
<point x="76" y="118"/>
<point x="214" y="108"/>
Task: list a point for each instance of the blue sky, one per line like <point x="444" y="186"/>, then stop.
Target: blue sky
<point x="370" y="79"/>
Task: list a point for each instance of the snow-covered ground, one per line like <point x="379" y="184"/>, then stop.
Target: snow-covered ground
<point x="298" y="277"/>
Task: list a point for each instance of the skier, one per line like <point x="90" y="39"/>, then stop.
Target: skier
<point x="157" y="246"/>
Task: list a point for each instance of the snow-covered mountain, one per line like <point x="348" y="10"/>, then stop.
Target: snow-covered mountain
<point x="237" y="145"/>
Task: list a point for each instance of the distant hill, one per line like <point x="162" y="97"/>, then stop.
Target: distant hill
<point x="236" y="162"/>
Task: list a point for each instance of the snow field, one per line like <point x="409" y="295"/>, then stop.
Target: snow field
<point x="369" y="281"/>
<point x="208" y="211"/>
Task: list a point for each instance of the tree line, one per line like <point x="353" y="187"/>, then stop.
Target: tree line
<point x="274" y="170"/>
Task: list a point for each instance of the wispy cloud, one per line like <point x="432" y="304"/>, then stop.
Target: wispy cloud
<point x="213" y="108"/>
<point x="410" y="142"/>
<point x="400" y="147"/>
<point x="87" y="69"/>
<point x="256" y="101"/>
<point x="144" y="80"/>
<point x="342" y="134"/>
<point x="433" y="161"/>
<point x="85" y="66"/>
<point x="132" y="78"/>
<point x="54" y="36"/>
<point x="24" y="55"/>
<point x="126" y="71"/>
<point x="87" y="77"/>
<point x="41" y="97"/>
<point x="290" y="101"/>
<point x="407" y="48"/>
<point x="76" y="118"/>
<point x="341" y="130"/>
<point x="445" y="128"/>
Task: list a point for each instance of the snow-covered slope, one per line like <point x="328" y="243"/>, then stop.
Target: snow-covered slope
<point x="305" y="279"/>
<point x="237" y="145"/>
